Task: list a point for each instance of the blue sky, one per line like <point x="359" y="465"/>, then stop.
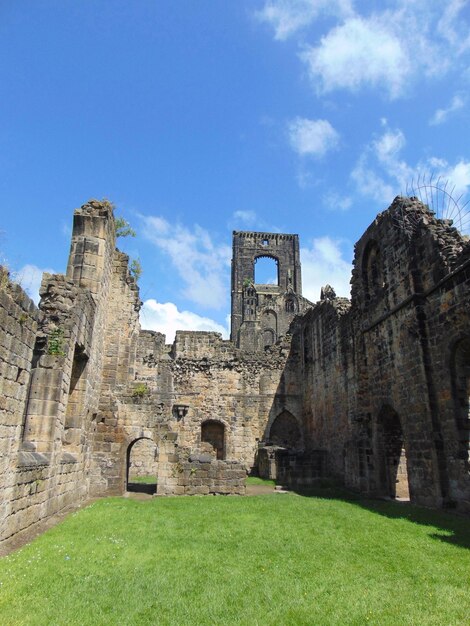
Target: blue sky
<point x="197" y="117"/>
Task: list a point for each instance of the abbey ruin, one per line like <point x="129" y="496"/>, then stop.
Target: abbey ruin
<point x="371" y="392"/>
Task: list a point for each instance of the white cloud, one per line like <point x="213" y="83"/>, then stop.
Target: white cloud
<point x="382" y="173"/>
<point x="386" y="49"/>
<point x="202" y="265"/>
<point x="452" y="27"/>
<point x="244" y="218"/>
<point x="356" y="53"/>
<point x="334" y="202"/>
<point x="389" y="144"/>
<point x="441" y="115"/>
<point x="458" y="176"/>
<point x="29" y="277"/>
<point x="167" y="319"/>
<point x="288" y="16"/>
<point x="323" y="263"/>
<point x="312" y="137"/>
<point x="369" y="183"/>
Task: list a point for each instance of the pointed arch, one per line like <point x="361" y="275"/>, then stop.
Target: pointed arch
<point x="372" y="270"/>
<point x="392" y="456"/>
<point x="460" y="373"/>
<point x="285" y="431"/>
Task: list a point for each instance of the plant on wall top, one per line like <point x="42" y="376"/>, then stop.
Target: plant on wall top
<point x="123" y="228"/>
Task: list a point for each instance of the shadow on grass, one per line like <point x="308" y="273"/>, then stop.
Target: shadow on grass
<point x="149" y="488"/>
<point x="455" y="527"/>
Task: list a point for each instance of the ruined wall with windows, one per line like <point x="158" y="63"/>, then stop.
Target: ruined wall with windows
<point x="372" y="392"/>
<point x="386" y="375"/>
<point x="263" y="311"/>
<point x="202" y="400"/>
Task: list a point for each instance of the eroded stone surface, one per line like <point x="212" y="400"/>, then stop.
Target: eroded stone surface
<point x="371" y="392"/>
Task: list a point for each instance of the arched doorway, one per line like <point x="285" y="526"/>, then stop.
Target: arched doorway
<point x="285" y="431"/>
<point x="461" y="391"/>
<point x="142" y="466"/>
<point x="393" y="470"/>
<point x="213" y="432"/>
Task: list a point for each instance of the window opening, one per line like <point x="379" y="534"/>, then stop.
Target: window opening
<point x="266" y="271"/>
<point x="213" y="433"/>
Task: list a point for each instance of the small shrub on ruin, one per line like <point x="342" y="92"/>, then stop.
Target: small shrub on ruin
<point x="123" y="228"/>
<point x="135" y="268"/>
<point x="140" y="391"/>
<point x="55" y="343"/>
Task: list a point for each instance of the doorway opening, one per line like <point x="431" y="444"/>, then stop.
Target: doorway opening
<point x="142" y="466"/>
<point x="392" y="455"/>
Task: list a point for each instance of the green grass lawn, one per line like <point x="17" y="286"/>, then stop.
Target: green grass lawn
<point x="255" y="480"/>
<point x="270" y="560"/>
<point x="144" y="480"/>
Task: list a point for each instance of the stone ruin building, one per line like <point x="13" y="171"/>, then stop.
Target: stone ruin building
<point x="371" y="392"/>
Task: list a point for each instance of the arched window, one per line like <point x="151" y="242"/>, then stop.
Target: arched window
<point x="213" y="432"/>
<point x="461" y="392"/>
<point x="285" y="431"/>
<point x="250" y="303"/>
<point x="372" y="270"/>
<point x="266" y="271"/>
<point x="308" y="353"/>
<point x="269" y="326"/>
<point x="290" y="305"/>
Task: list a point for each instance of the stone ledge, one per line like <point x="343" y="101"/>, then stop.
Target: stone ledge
<point x="32" y="459"/>
<point x="67" y="457"/>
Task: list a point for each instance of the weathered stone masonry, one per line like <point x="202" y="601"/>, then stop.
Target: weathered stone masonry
<point x="386" y="376"/>
<point x="372" y="392"/>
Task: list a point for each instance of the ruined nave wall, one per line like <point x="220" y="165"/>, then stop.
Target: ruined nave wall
<point x="390" y="365"/>
<point x="51" y="404"/>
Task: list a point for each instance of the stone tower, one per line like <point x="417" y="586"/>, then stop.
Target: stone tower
<point x="261" y="313"/>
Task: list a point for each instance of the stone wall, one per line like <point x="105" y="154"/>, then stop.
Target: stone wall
<point x="379" y="373"/>
<point x="178" y="390"/>
<point x="51" y="418"/>
<point x="18" y="326"/>
<point x="372" y="392"/>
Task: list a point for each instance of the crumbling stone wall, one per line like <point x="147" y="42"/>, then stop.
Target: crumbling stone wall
<point x="371" y="391"/>
<point x="391" y="352"/>
<point x="18" y="326"/>
<point x="177" y="390"/>
<point x="59" y="350"/>
<point x="262" y="313"/>
<point x="118" y="348"/>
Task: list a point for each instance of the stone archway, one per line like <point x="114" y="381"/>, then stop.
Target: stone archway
<point x="460" y="367"/>
<point x="285" y="431"/>
<point x="142" y="466"/>
<point x="393" y="467"/>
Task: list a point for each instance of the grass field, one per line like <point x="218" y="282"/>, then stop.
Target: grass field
<point x="144" y="480"/>
<point x="277" y="559"/>
<point x="254" y="480"/>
